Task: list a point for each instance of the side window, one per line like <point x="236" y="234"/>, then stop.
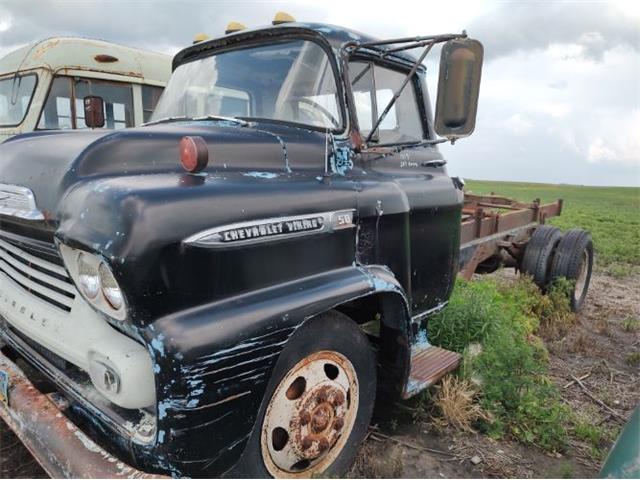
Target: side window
<point x="150" y="97"/>
<point x="373" y="88"/>
<point x="57" y="113"/>
<point x="362" y="87"/>
<point x="64" y="107"/>
<point x="118" y="102"/>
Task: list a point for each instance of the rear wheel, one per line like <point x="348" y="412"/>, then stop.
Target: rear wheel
<point x="318" y="404"/>
<point x="574" y="260"/>
<point x="539" y="252"/>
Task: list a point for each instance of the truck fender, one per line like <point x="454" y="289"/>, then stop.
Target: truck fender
<point x="215" y="360"/>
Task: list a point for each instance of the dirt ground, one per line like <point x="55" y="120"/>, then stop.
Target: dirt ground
<point x="404" y="442"/>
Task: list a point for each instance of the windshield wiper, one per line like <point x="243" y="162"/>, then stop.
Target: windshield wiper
<point x="167" y="119"/>
<point x="222" y="119"/>
<point x="182" y="118"/>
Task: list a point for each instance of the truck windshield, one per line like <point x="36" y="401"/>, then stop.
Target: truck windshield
<point x="290" y="81"/>
<point x="15" y="97"/>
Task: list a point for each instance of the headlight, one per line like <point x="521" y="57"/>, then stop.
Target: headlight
<point x="95" y="281"/>
<point x="88" y="276"/>
<point x="110" y="288"/>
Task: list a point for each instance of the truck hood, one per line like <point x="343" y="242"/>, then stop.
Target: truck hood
<point x="50" y="163"/>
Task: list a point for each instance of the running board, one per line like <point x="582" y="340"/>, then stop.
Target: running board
<point x="428" y="366"/>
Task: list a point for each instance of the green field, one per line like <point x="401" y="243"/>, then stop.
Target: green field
<point x="611" y="214"/>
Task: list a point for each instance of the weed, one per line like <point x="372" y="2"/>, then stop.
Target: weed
<point x="393" y="424"/>
<point x="633" y="359"/>
<point x="602" y="326"/>
<point x="620" y="270"/>
<point x="582" y="344"/>
<point x="554" y="310"/>
<point x="587" y="433"/>
<point x="565" y="470"/>
<point x="510" y="367"/>
<point x="631" y="324"/>
<point x="456" y="403"/>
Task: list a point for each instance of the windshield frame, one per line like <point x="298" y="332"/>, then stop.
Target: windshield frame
<point x="15" y="75"/>
<point x="416" y="83"/>
<point x="272" y="40"/>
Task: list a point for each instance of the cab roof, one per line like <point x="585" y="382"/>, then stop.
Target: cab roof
<point x="336" y="36"/>
<point x="60" y="53"/>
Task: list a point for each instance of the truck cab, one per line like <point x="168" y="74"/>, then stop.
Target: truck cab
<point x="42" y="85"/>
<point x="228" y="289"/>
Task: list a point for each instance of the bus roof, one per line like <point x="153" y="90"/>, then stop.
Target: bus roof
<point x="71" y="53"/>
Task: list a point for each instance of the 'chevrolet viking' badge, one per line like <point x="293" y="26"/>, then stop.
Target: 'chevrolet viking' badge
<point x="273" y="228"/>
<point x="270" y="229"/>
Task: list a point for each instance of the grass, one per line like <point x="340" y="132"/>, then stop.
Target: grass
<point x="510" y="365"/>
<point x="633" y="359"/>
<point x="610" y="214"/>
<point x="631" y="324"/>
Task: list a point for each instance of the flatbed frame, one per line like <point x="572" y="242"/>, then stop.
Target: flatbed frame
<point x="495" y="230"/>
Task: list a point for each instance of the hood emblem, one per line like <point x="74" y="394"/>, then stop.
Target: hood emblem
<point x="17" y="201"/>
<point x="272" y="229"/>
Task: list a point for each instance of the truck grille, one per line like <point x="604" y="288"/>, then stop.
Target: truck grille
<point x="37" y="268"/>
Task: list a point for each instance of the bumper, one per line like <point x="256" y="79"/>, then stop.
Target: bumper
<point x="61" y="448"/>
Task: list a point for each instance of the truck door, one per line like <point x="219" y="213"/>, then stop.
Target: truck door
<point x="419" y="207"/>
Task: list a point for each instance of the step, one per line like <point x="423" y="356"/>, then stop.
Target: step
<point x="428" y="366"/>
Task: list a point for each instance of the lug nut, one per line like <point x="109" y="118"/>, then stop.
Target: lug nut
<point x="323" y="444"/>
<point x="338" y="399"/>
<point x="321" y="397"/>
<point x="305" y="418"/>
<point x="338" y="423"/>
<point x="306" y="443"/>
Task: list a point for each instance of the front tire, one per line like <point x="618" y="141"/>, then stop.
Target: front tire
<point x="318" y="404"/>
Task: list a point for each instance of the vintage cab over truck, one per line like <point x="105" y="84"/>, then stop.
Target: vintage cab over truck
<point x="228" y="289"/>
<point x="43" y="84"/>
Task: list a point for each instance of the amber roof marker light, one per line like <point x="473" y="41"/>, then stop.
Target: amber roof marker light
<point x="233" y="27"/>
<point x="194" y="154"/>
<point x="282" y="17"/>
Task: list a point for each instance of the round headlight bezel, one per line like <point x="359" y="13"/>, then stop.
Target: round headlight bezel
<point x="83" y="262"/>
<point x="88" y="277"/>
<point x="110" y="288"/>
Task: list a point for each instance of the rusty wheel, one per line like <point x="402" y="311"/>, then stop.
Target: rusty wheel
<point x="310" y="416"/>
<point x="317" y="406"/>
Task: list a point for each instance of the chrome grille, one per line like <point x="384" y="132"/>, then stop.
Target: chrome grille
<point x="36" y="267"/>
<point x="18" y="202"/>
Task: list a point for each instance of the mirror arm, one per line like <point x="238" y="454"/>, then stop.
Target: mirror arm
<point x="407" y="79"/>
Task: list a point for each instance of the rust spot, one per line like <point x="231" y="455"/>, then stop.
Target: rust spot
<point x="338" y="423"/>
<point x="103" y="58"/>
<point x="306" y="443"/>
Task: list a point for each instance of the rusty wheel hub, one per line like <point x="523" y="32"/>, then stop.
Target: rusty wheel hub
<point x="310" y="416"/>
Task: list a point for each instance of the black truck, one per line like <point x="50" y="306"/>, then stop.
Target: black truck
<point x="228" y="289"/>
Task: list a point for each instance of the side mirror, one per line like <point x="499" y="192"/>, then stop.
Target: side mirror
<point x="94" y="112"/>
<point x="458" y="88"/>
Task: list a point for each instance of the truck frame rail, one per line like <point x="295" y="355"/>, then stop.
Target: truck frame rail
<point x="495" y="230"/>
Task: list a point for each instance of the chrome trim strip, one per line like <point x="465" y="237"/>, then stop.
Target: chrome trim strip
<point x="269" y="229"/>
<point x="17" y="201"/>
<point x="421" y="316"/>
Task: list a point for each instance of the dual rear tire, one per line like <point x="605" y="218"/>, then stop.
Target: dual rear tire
<point x="549" y="255"/>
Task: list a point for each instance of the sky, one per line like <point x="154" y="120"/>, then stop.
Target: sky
<point x="560" y="93"/>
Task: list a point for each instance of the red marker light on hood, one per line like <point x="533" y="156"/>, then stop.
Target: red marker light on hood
<point x="194" y="154"/>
